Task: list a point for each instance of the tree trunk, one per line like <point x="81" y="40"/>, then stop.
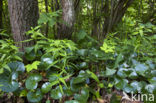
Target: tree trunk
<point x="46" y="8"/>
<point x="115" y="14"/>
<point x="1" y="9"/>
<point x="68" y="16"/>
<point x="23" y="16"/>
<point x="95" y="19"/>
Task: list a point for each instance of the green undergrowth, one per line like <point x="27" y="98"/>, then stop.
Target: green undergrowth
<point x="82" y="69"/>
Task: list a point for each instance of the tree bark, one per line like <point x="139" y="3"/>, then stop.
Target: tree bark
<point x="23" y="16"/>
<point x="1" y="9"/>
<point x="68" y="16"/>
<point x="115" y="14"/>
<point x="47" y="26"/>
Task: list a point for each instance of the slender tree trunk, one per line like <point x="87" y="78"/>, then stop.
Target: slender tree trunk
<point x="68" y="16"/>
<point x="1" y="18"/>
<point x="1" y="9"/>
<point x="46" y="8"/>
<point x="115" y="14"/>
<point x="95" y="19"/>
<point x="23" y="16"/>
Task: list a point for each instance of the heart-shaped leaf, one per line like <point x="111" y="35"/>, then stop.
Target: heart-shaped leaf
<point x="17" y="66"/>
<point x="76" y="87"/>
<point x="121" y="84"/>
<point x="32" y="81"/>
<point x="150" y="88"/>
<point x="35" y="96"/>
<point x="137" y="86"/>
<point x="121" y="73"/>
<point x="133" y="75"/>
<point x="7" y="86"/>
<point x="141" y="69"/>
<point x="110" y="72"/>
<point x="153" y="80"/>
<point x="83" y="96"/>
<point x="56" y="93"/>
<point x="46" y="87"/>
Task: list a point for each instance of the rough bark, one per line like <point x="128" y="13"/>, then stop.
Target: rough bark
<point x="23" y="16"/>
<point x="68" y="16"/>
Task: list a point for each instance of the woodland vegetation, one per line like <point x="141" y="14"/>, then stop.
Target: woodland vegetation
<point x="77" y="51"/>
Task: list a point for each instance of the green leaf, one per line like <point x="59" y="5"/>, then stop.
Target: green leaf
<point x="82" y="52"/>
<point x="32" y="81"/>
<point x="30" y="56"/>
<point x="46" y="87"/>
<point x="43" y="18"/>
<point x="56" y="93"/>
<point x="72" y="101"/>
<point x="78" y="80"/>
<point x="92" y="75"/>
<point x="81" y="35"/>
<point x="35" y="96"/>
<point x="17" y="66"/>
<point x="76" y="87"/>
<point x="47" y="60"/>
<point x="83" y="65"/>
<point x="153" y="80"/>
<point x="83" y="96"/>
<point x="121" y="84"/>
<point x="8" y="81"/>
<point x="150" y="88"/>
<point x="29" y="49"/>
<point x="153" y="73"/>
<point x="32" y="66"/>
<point x="118" y="60"/>
<point x="133" y="75"/>
<point x="52" y="22"/>
<point x="1" y="70"/>
<point x="137" y="86"/>
<point x="67" y="91"/>
<point x="141" y="69"/>
<point x="47" y="101"/>
<point x="14" y="75"/>
<point x="110" y="72"/>
<point x="7" y="86"/>
<point x="128" y="89"/>
<point x="121" y="73"/>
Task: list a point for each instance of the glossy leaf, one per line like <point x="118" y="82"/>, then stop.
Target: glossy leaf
<point x="46" y="87"/>
<point x="17" y="66"/>
<point x="83" y="96"/>
<point x="137" y="86"/>
<point x="141" y="69"/>
<point x="110" y="72"/>
<point x="72" y="101"/>
<point x="56" y="93"/>
<point x="32" y="81"/>
<point x="35" y="96"/>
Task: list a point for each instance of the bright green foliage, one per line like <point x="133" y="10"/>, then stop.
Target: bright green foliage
<point x="71" y="71"/>
<point x="82" y="68"/>
<point x="108" y="46"/>
<point x="32" y="66"/>
<point x="8" y="53"/>
<point x="50" y="18"/>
